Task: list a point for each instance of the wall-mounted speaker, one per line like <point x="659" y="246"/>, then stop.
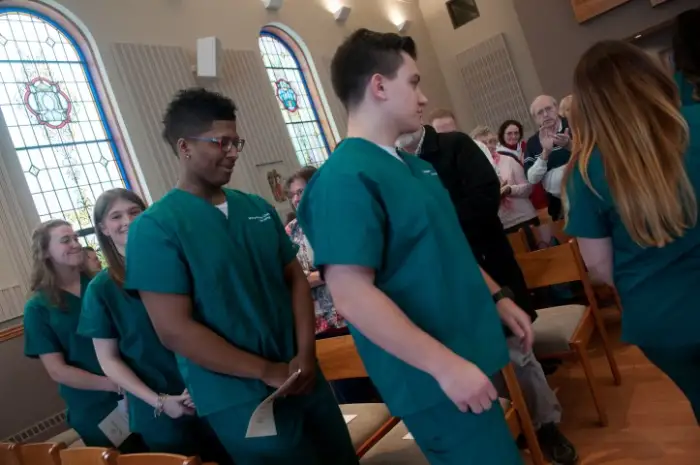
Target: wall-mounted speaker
<point x="208" y="56"/>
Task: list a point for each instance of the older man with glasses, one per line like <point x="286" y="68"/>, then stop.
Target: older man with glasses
<point x="548" y="151"/>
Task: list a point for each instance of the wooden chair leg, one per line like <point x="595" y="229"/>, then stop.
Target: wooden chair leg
<point x="516" y="397"/>
<point x="582" y="353"/>
<point x="600" y="325"/>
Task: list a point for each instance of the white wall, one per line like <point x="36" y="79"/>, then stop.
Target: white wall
<point x="496" y="16"/>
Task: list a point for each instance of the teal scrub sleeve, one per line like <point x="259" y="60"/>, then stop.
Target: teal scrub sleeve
<point x="153" y="260"/>
<point x="585" y="214"/>
<point x="343" y="220"/>
<point x="95" y="320"/>
<point x="39" y="337"/>
<point x="288" y="251"/>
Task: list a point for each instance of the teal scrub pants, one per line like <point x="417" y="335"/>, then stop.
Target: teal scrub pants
<point x="186" y="435"/>
<point x="447" y="436"/>
<point x="682" y="365"/>
<point x="310" y="431"/>
<point x="92" y="436"/>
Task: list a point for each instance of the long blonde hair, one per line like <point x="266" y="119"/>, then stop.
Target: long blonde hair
<point x="44" y="279"/>
<point x="627" y="106"/>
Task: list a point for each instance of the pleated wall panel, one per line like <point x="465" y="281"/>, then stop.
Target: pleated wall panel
<point x="18" y="217"/>
<point x="151" y="75"/>
<point x="492" y="86"/>
<point x="268" y="146"/>
<point x="339" y="114"/>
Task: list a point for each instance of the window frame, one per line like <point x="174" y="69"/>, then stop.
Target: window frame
<point x="81" y="43"/>
<point x="312" y="87"/>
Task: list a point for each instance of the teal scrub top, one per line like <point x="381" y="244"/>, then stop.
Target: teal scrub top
<point x="110" y="313"/>
<point x="49" y="329"/>
<point x="367" y="208"/>
<point x="233" y="268"/>
<point x="657" y="286"/>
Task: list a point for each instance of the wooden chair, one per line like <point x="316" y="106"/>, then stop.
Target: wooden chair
<point x="151" y="459"/>
<point x="9" y="453"/>
<point x="45" y="453"/>
<point x="565" y="330"/>
<point x="86" y="456"/>
<point x="518" y="242"/>
<point x="339" y="359"/>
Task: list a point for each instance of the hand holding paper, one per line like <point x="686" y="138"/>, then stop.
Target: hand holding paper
<point x="262" y="422"/>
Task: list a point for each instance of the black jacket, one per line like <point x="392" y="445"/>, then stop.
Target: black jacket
<point x="475" y="190"/>
<point x="471" y="181"/>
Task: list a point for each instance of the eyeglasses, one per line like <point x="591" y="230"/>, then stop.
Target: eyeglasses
<point x="226" y="144"/>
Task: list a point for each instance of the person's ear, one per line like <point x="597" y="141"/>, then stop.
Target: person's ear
<point x="183" y="149"/>
<point x="376" y="87"/>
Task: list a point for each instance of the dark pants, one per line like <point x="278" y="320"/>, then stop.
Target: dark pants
<point x="353" y="390"/>
<point x="682" y="365"/>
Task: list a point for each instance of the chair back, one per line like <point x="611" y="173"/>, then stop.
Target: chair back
<point x="86" y="456"/>
<point x="156" y="459"/>
<point x="518" y="241"/>
<point x="339" y="359"/>
<point x="9" y="453"/>
<point x="45" y="453"/>
<point x="554" y="265"/>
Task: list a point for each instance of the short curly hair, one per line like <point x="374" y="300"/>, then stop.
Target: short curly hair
<point x="192" y="112"/>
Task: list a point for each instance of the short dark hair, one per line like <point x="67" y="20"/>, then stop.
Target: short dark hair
<point x="686" y="47"/>
<point x="364" y="54"/>
<point x="504" y="126"/>
<point x="192" y="112"/>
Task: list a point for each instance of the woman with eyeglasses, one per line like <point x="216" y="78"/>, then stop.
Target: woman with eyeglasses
<point x="632" y="186"/>
<point x="223" y="288"/>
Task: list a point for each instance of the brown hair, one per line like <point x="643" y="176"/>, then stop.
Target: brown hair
<point x="686" y="48"/>
<point x="104" y="203"/>
<point x="305" y="174"/>
<point x="440" y="113"/>
<point x="43" y="279"/>
<point x="642" y="136"/>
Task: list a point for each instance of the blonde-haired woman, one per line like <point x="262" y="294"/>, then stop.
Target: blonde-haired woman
<point x="51" y="318"/>
<point x="632" y="187"/>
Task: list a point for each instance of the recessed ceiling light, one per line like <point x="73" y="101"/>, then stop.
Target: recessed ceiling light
<point x="638" y="36"/>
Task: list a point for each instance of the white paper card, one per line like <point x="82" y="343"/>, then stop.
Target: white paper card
<point x="408" y="436"/>
<point x="349" y="418"/>
<point x="116" y="425"/>
<point x="262" y="422"/>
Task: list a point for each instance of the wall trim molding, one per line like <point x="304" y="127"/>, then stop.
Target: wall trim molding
<point x="11" y="333"/>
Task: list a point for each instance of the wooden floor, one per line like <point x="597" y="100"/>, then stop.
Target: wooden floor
<point x="650" y="421"/>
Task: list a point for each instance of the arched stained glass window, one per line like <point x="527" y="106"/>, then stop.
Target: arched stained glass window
<point x="297" y="95"/>
<point x="52" y="111"/>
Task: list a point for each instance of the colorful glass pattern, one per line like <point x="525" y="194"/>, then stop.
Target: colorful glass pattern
<point x="286" y="95"/>
<point x="54" y="117"/>
<point x="296" y="105"/>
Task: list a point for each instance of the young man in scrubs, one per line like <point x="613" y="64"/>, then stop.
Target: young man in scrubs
<point x="240" y="318"/>
<point x="385" y="233"/>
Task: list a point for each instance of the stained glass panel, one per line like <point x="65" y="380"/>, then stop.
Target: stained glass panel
<point x="295" y="102"/>
<point x="55" y="120"/>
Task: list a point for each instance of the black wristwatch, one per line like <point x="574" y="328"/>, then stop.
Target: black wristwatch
<point x="503" y="293"/>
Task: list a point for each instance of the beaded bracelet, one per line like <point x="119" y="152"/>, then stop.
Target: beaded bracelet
<point x="160" y="405"/>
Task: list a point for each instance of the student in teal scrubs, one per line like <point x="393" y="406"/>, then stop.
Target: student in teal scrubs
<point x="385" y="232"/>
<point x="128" y="348"/>
<point x="632" y="189"/>
<point x="50" y="328"/>
<point x="221" y="284"/>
